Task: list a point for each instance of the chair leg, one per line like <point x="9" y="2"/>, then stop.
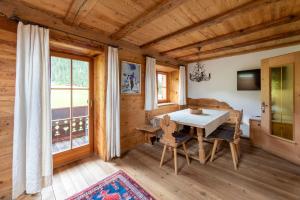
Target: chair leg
<point x="236" y="153"/>
<point x="163" y="155"/>
<point x="214" y="150"/>
<point x="186" y="153"/>
<point x="237" y="146"/>
<point x="233" y="154"/>
<point x="219" y="146"/>
<point x="175" y="160"/>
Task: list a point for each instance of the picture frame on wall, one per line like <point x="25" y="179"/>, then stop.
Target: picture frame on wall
<point x="130" y="78"/>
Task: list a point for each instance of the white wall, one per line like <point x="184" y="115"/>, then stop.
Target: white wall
<point x="223" y="82"/>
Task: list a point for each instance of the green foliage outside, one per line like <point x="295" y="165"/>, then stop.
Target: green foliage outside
<point x="61" y="78"/>
<point x="61" y="72"/>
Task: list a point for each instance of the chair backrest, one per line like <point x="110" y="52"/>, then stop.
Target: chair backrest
<point x="168" y="128"/>
<point x="237" y="129"/>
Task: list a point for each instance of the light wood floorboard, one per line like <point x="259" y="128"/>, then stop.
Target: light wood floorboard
<point x="260" y="175"/>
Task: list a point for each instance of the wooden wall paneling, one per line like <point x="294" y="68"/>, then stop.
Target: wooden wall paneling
<point x="66" y="43"/>
<point x="132" y="106"/>
<point x="7" y="94"/>
<point x="161" y="110"/>
<point x="99" y="103"/>
<point x="208" y="103"/>
<point x="133" y="114"/>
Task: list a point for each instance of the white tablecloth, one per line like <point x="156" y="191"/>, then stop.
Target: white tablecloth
<point x="209" y="120"/>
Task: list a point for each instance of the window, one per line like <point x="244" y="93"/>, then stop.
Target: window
<point x="162" y="87"/>
<point x="69" y="103"/>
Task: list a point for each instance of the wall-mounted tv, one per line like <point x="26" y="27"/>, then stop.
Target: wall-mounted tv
<point x="248" y="79"/>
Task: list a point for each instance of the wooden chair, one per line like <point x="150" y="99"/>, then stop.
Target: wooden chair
<point x="173" y="139"/>
<point x="231" y="135"/>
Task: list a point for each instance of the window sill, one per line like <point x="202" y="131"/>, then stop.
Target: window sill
<point x="165" y="104"/>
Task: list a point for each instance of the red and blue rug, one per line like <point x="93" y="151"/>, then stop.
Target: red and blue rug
<point x="118" y="186"/>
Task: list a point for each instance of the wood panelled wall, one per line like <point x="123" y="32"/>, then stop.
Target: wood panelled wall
<point x="7" y="94"/>
<point x="99" y="104"/>
<point x="132" y="106"/>
<point x="132" y="110"/>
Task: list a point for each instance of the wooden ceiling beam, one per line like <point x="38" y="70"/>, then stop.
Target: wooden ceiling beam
<point x="155" y="12"/>
<point x="20" y="10"/>
<point x="78" y="11"/>
<point x="254" y="4"/>
<point x="238" y="33"/>
<point x="264" y="48"/>
<point x="245" y="44"/>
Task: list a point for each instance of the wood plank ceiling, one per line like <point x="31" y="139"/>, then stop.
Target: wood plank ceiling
<point x="178" y="31"/>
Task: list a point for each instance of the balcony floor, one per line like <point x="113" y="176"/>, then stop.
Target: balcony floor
<point x="65" y="145"/>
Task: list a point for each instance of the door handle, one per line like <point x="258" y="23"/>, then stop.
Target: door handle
<point x="263" y="107"/>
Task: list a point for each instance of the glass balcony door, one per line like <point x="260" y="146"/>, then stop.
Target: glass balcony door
<point x="70" y="100"/>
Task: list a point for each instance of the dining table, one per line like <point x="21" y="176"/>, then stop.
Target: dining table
<point x="205" y="123"/>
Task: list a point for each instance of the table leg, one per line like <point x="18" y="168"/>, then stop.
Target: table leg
<point x="145" y="137"/>
<point x="200" y="133"/>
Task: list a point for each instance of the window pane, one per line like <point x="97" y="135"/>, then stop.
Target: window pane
<point x="162" y="86"/>
<point x="60" y="107"/>
<point x="80" y="101"/>
<point x="60" y="72"/>
<point x="80" y="74"/>
<point x="80" y="131"/>
<point x="60" y="99"/>
<point x="80" y="134"/>
<point x="60" y="135"/>
<point x="159" y="93"/>
<point x="162" y="80"/>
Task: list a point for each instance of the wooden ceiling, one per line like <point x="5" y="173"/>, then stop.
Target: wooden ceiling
<point x="176" y="31"/>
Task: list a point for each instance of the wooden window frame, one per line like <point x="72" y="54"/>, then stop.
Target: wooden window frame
<point x="167" y="86"/>
<point x="72" y="155"/>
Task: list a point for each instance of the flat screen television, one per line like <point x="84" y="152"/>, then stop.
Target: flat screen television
<point x="248" y="79"/>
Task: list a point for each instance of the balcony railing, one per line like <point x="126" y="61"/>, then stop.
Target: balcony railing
<point x="63" y="125"/>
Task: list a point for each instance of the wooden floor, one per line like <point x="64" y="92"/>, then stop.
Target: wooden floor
<point x="260" y="176"/>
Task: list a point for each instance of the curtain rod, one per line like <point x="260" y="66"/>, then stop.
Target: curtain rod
<point x="18" y="19"/>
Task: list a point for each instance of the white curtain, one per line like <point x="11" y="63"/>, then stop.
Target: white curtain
<point x="150" y="85"/>
<point x="32" y="150"/>
<point x="182" y="86"/>
<point x="113" y="105"/>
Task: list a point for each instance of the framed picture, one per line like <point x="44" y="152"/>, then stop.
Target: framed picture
<point x="130" y="78"/>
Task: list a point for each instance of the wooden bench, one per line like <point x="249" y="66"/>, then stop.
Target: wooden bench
<point x="150" y="132"/>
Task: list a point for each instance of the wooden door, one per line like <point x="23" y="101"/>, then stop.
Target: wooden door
<point x="71" y="106"/>
<point x="278" y="101"/>
<point x="280" y="124"/>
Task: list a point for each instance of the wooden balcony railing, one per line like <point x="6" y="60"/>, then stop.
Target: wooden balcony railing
<point x="62" y="127"/>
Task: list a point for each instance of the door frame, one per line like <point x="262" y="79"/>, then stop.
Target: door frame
<point x="71" y="155"/>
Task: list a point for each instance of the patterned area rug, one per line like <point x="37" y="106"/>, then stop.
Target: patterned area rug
<point x="118" y="186"/>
